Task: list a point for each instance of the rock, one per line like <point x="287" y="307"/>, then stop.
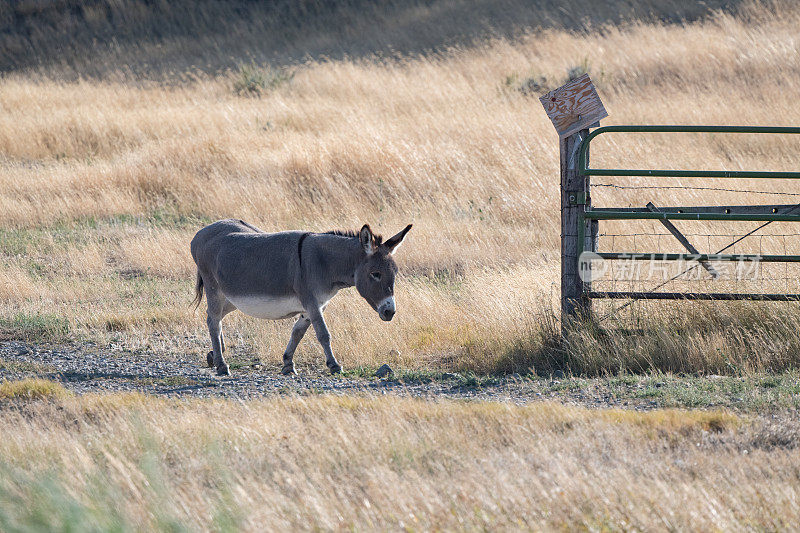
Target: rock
<point x="383" y="371"/>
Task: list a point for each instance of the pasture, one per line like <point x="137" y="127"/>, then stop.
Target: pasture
<point x="112" y="156"/>
<point x="131" y="462"/>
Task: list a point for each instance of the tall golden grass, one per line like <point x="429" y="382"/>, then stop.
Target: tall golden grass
<point x="339" y="463"/>
<point x="103" y="183"/>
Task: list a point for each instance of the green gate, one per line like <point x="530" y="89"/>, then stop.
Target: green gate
<point x="588" y="217"/>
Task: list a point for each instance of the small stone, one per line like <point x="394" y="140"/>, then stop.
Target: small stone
<point x="383" y="371"/>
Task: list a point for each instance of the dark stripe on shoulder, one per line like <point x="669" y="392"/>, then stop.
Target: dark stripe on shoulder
<point x="300" y="247"/>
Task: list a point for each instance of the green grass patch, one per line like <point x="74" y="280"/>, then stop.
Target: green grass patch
<point x="45" y="499"/>
<point x="42" y="501"/>
<point x="35" y="327"/>
<point x="753" y="392"/>
<point x="169" y="381"/>
<point x="49" y="238"/>
<point x="162" y="217"/>
<point x="26" y="367"/>
<point x="19" y="241"/>
<point x="455" y="379"/>
<point x="749" y="393"/>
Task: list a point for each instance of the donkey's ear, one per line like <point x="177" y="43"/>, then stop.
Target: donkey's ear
<point x="367" y="239"/>
<point x="394" y="243"/>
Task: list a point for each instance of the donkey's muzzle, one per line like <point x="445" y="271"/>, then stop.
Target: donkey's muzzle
<point x="386" y="309"/>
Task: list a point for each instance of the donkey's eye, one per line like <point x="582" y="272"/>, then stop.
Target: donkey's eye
<point x="376" y="276"/>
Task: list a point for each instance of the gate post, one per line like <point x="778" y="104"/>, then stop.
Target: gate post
<point x="575" y="199"/>
<point x="573" y="108"/>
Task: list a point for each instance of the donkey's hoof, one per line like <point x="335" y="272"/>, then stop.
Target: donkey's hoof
<point x="335" y="369"/>
<point x="222" y="370"/>
<point x="288" y="370"/>
<point x="210" y="359"/>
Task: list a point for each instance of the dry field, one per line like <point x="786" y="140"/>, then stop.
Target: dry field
<point x="112" y="157"/>
<point x="103" y="183"/>
<point x="130" y="462"/>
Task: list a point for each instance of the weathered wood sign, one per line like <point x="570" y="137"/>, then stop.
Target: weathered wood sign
<point x="573" y="106"/>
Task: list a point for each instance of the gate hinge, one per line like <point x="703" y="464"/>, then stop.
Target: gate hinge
<point x="577" y="198"/>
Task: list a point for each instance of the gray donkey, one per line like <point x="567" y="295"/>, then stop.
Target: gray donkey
<point x="286" y="274"/>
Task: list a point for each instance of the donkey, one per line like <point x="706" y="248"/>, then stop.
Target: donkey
<point x="286" y="274"/>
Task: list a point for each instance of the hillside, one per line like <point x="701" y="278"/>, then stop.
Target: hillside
<point x="133" y="38"/>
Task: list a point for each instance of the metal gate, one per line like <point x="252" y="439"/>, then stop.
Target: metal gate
<point x="588" y="219"/>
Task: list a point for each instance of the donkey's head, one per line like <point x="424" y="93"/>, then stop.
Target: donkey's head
<point x="375" y="274"/>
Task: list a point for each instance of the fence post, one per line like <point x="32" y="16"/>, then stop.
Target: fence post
<point x="575" y="199"/>
<point x="573" y="108"/>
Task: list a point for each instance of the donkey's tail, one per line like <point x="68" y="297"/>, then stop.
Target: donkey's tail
<point x="198" y="292"/>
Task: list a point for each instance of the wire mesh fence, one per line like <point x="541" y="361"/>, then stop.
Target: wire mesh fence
<point x="644" y="243"/>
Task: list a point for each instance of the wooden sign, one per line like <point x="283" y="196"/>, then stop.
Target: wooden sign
<point x="573" y="106"/>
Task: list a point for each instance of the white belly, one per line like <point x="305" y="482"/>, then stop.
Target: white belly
<point x="268" y="307"/>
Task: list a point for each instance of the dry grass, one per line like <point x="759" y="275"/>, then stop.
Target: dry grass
<point x="103" y="183"/>
<point x="377" y="463"/>
<point x="31" y="389"/>
<point x="73" y="38"/>
<point x="104" y="180"/>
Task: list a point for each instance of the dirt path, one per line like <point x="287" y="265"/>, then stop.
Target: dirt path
<point x="87" y="368"/>
<point x="84" y="367"/>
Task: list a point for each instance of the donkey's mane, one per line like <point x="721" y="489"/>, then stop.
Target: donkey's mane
<point x="352" y="233"/>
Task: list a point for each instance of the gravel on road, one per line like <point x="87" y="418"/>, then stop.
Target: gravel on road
<point x="85" y="367"/>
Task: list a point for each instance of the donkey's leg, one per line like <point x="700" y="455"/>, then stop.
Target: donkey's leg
<point x="324" y="338"/>
<point x="227" y="307"/>
<point x="216" y="307"/>
<point x="217" y="359"/>
<point x="299" y="329"/>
